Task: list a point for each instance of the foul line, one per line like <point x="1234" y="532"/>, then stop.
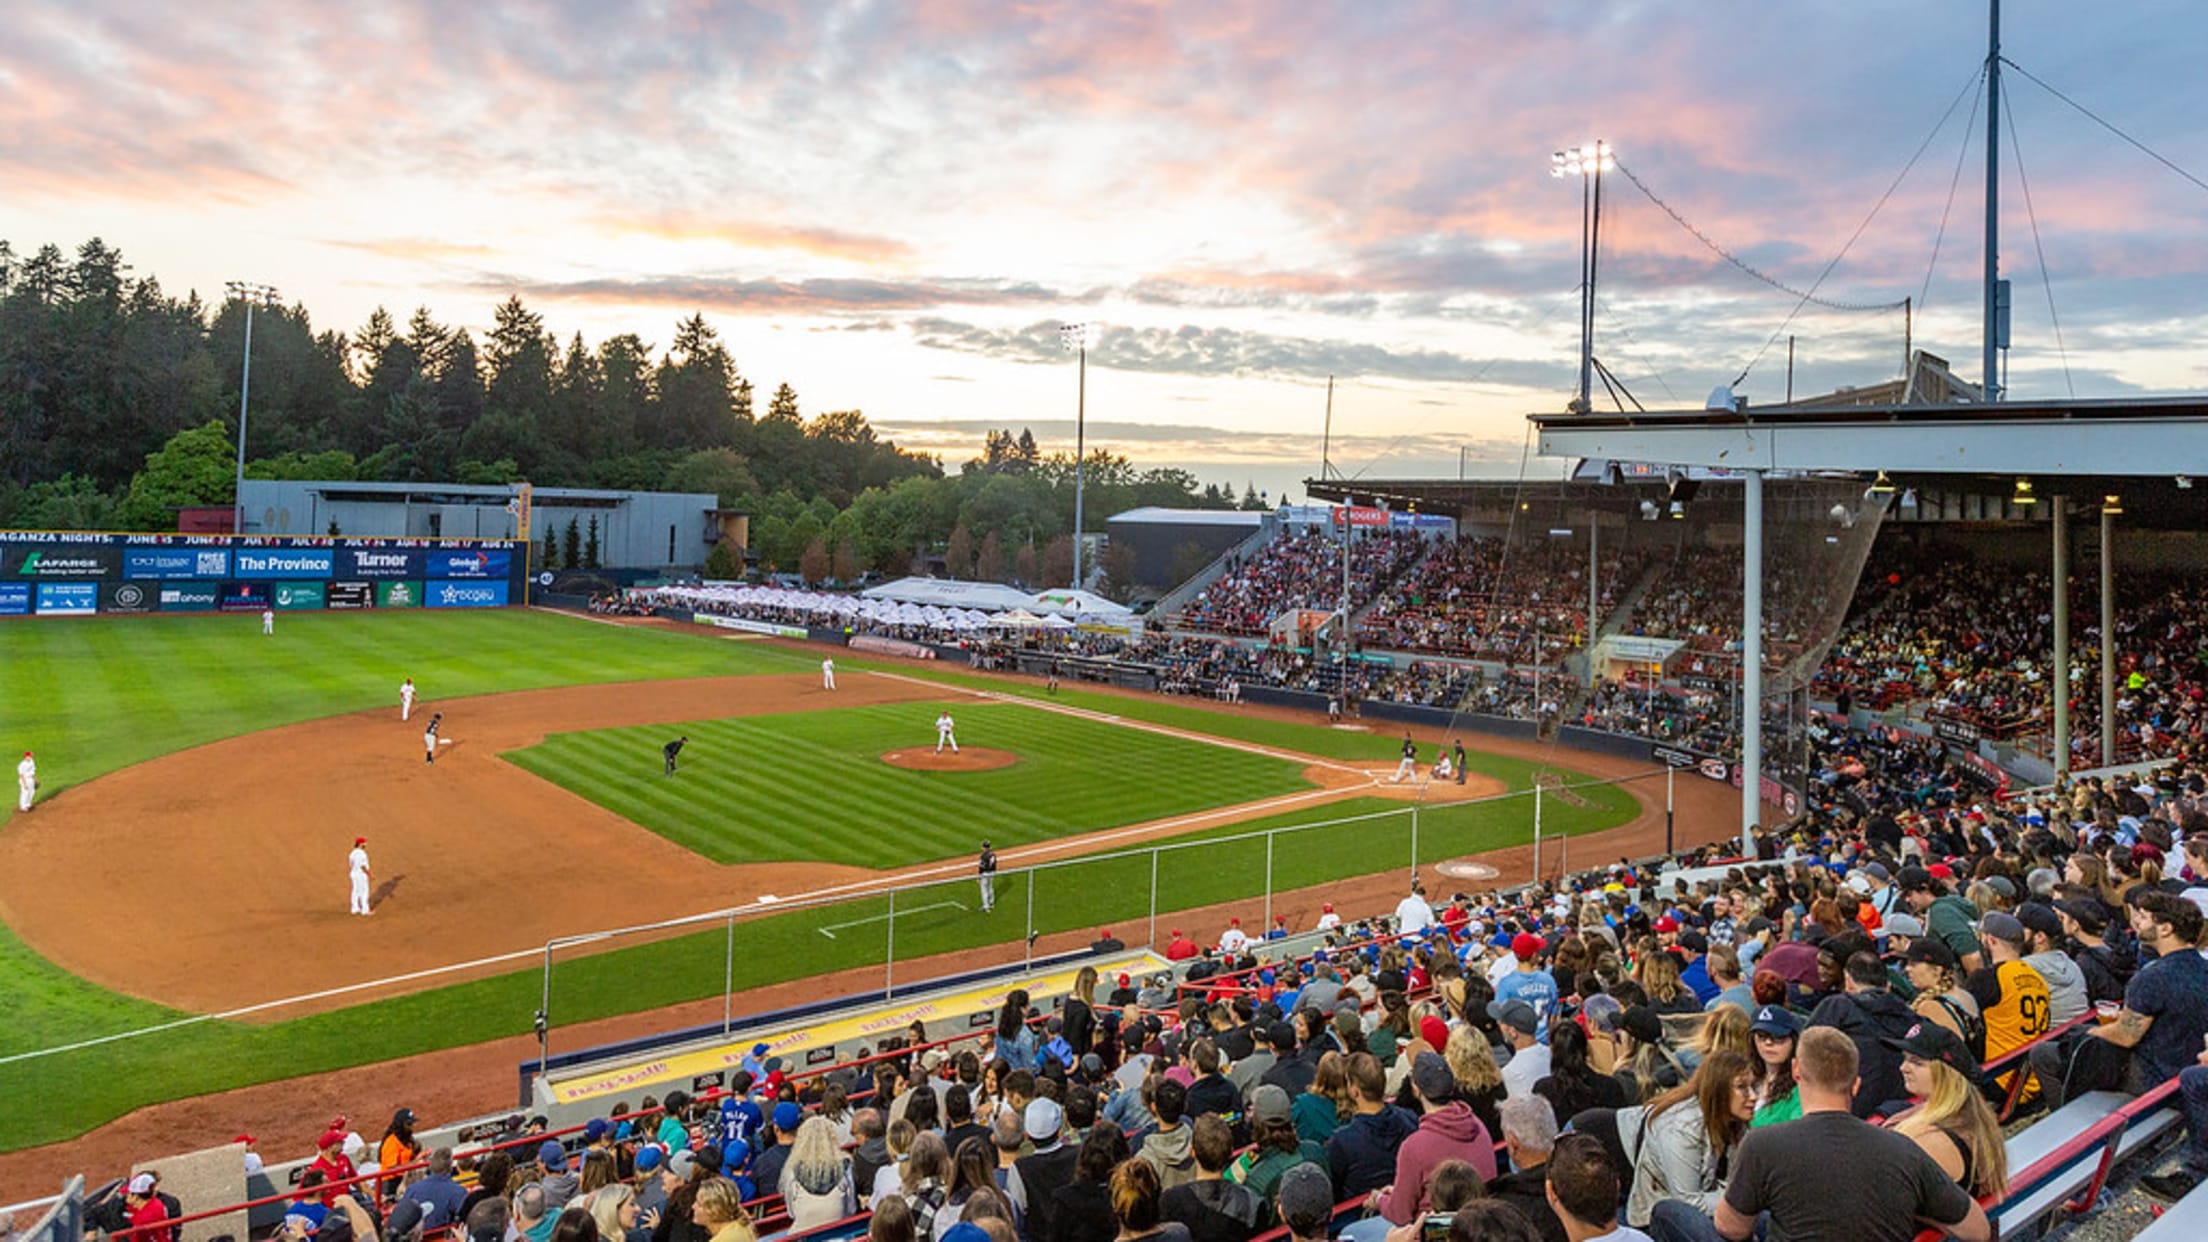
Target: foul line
<point x="1085" y="713"/>
<point x="830" y="930"/>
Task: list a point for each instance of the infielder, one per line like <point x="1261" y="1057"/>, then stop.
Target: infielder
<point x="827" y="674"/>
<point x="429" y="737"/>
<point x="357" y="862"/>
<point x="26" y="782"/>
<point x="944" y="737"/>
<point x="268" y="620"/>
<point x="406" y="698"/>
<point x="1408" y="769"/>
<point x="672" y="749"/>
<point x="988" y="872"/>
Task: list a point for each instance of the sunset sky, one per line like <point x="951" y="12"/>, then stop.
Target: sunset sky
<point x="893" y="206"/>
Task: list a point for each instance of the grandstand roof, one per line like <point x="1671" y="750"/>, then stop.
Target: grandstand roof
<point x="986" y="596"/>
<point x="1193" y="517"/>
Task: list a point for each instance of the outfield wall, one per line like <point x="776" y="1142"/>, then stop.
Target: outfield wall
<point x="81" y="574"/>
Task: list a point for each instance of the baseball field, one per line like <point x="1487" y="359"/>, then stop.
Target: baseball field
<point x="201" y="785"/>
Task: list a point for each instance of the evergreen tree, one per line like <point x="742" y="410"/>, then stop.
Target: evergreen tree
<point x="720" y="564"/>
<point x="551" y="552"/>
<point x="590" y="544"/>
<point x="573" y="555"/>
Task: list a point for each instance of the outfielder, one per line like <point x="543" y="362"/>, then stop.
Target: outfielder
<point x="988" y="871"/>
<point x="672" y="749"/>
<point x="827" y="674"/>
<point x="429" y="737"/>
<point x="944" y="737"/>
<point x="1408" y="769"/>
<point x="268" y="620"/>
<point x="26" y="782"/>
<point x="406" y="698"/>
<point x="357" y="862"/>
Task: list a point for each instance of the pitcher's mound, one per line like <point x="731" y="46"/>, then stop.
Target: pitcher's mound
<point x="971" y="759"/>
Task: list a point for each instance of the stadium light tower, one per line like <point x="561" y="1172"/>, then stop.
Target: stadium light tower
<point x="1587" y="163"/>
<point x="1079" y="337"/>
<point x="251" y="294"/>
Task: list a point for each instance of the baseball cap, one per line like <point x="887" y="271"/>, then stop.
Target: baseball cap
<point x="1932" y="1042"/>
<point x="552" y="1156"/>
<point x="1759" y="924"/>
<point x="594" y="1129"/>
<point x="1305" y="1197"/>
<point x="1694" y="941"/>
<point x="1642" y="1024"/>
<point x="142" y="1184"/>
<point x="2091" y="915"/>
<point x="1525" y="946"/>
<point x="787" y="1116"/>
<point x="1898" y="924"/>
<point x="329" y="1139"/>
<point x="1878" y="871"/>
<point x="360" y="840"/>
<point x="1776" y="1021"/>
<point x="1666" y="924"/>
<point x="759" y="1050"/>
<point x="1269" y="1103"/>
<point x="2001" y="925"/>
<point x="1043" y="1120"/>
<point x="1516" y="1014"/>
<point x="965" y="1231"/>
<point x="648" y="1157"/>
<point x="2040" y="917"/>
<point x="682" y="1164"/>
<point x="1603" y="1012"/>
<point x="1430" y="1074"/>
<point x="1940" y="871"/>
<point x="1932" y="952"/>
<point x="2002" y="885"/>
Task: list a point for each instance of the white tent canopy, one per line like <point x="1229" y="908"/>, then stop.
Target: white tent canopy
<point x="1073" y="603"/>
<point x="987" y="596"/>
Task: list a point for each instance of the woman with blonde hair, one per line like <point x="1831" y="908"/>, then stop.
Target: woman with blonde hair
<point x="816" y="1180"/>
<point x="1135" y="1200"/>
<point x="719" y="1210"/>
<point x="1953" y="1124"/>
<point x="615" y="1209"/>
<point x="1479" y="1082"/>
<point x="1725" y="1029"/>
<point x="1667" y="994"/>
<point x="888" y="1180"/>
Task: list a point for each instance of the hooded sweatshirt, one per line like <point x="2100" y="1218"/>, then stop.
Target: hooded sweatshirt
<point x="2066" y="991"/>
<point x="1450" y="1132"/>
<point x="1361" y="1154"/>
<point x="1169" y="1152"/>
<point x="1867" y="1018"/>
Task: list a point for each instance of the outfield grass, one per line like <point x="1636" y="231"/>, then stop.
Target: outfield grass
<point x="96" y="694"/>
<point x="811" y="786"/>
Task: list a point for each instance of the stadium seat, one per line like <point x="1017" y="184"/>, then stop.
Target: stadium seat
<point x="2185" y="1220"/>
<point x="2068" y="1151"/>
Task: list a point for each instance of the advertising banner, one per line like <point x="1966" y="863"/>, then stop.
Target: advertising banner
<point x="748" y="626"/>
<point x="190" y="596"/>
<point x="285" y="562"/>
<point x="68" y="599"/>
<point x="129" y="596"/>
<point x="243" y="597"/>
<point x="398" y="595"/>
<point x="211" y="563"/>
<point x="294" y="596"/>
<point x="466" y="594"/>
<point x="348" y="595"/>
<point x="1360" y="515"/>
<point x="378" y="563"/>
<point x="15" y="599"/>
<point x="473" y="564"/>
<point x="48" y="562"/>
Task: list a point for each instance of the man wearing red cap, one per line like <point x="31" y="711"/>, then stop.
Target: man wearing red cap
<point x="1180" y="948"/>
<point x="26" y="782"/>
<point x="357" y="861"/>
<point x="1328" y="920"/>
<point x="1234" y="939"/>
<point x="334" y="1164"/>
<point x="1529" y="983"/>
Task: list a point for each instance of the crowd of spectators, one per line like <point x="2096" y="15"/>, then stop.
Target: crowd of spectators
<point x="1299" y="570"/>
<point x="1481" y="598"/>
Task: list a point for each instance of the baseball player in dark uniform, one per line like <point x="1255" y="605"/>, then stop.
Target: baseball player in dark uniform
<point x="1460" y="760"/>
<point x="988" y="878"/>
<point x="672" y="749"/>
<point x="429" y="737"/>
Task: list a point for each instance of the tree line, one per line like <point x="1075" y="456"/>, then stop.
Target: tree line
<point x="118" y="404"/>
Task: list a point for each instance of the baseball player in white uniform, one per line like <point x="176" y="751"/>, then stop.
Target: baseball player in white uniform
<point x="268" y="620"/>
<point x="406" y="698"/>
<point x="1234" y="940"/>
<point x="26" y="782"/>
<point x="943" y="735"/>
<point x="827" y="674"/>
<point x="357" y="863"/>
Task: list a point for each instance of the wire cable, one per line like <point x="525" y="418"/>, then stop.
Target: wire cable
<point x="1738" y="262"/>
<point x="1899" y="177"/>
<point x="2045" y="279"/>
<point x="2105" y="123"/>
<point x="1970" y="129"/>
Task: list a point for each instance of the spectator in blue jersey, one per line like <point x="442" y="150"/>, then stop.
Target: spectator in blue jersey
<point x="1696" y="974"/>
<point x="1528" y="982"/>
<point x="741" y="1117"/>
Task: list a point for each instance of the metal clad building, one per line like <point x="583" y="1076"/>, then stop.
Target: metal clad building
<point x="636" y="530"/>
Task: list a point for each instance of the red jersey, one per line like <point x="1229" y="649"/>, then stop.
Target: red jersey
<point x="337" y="1169"/>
